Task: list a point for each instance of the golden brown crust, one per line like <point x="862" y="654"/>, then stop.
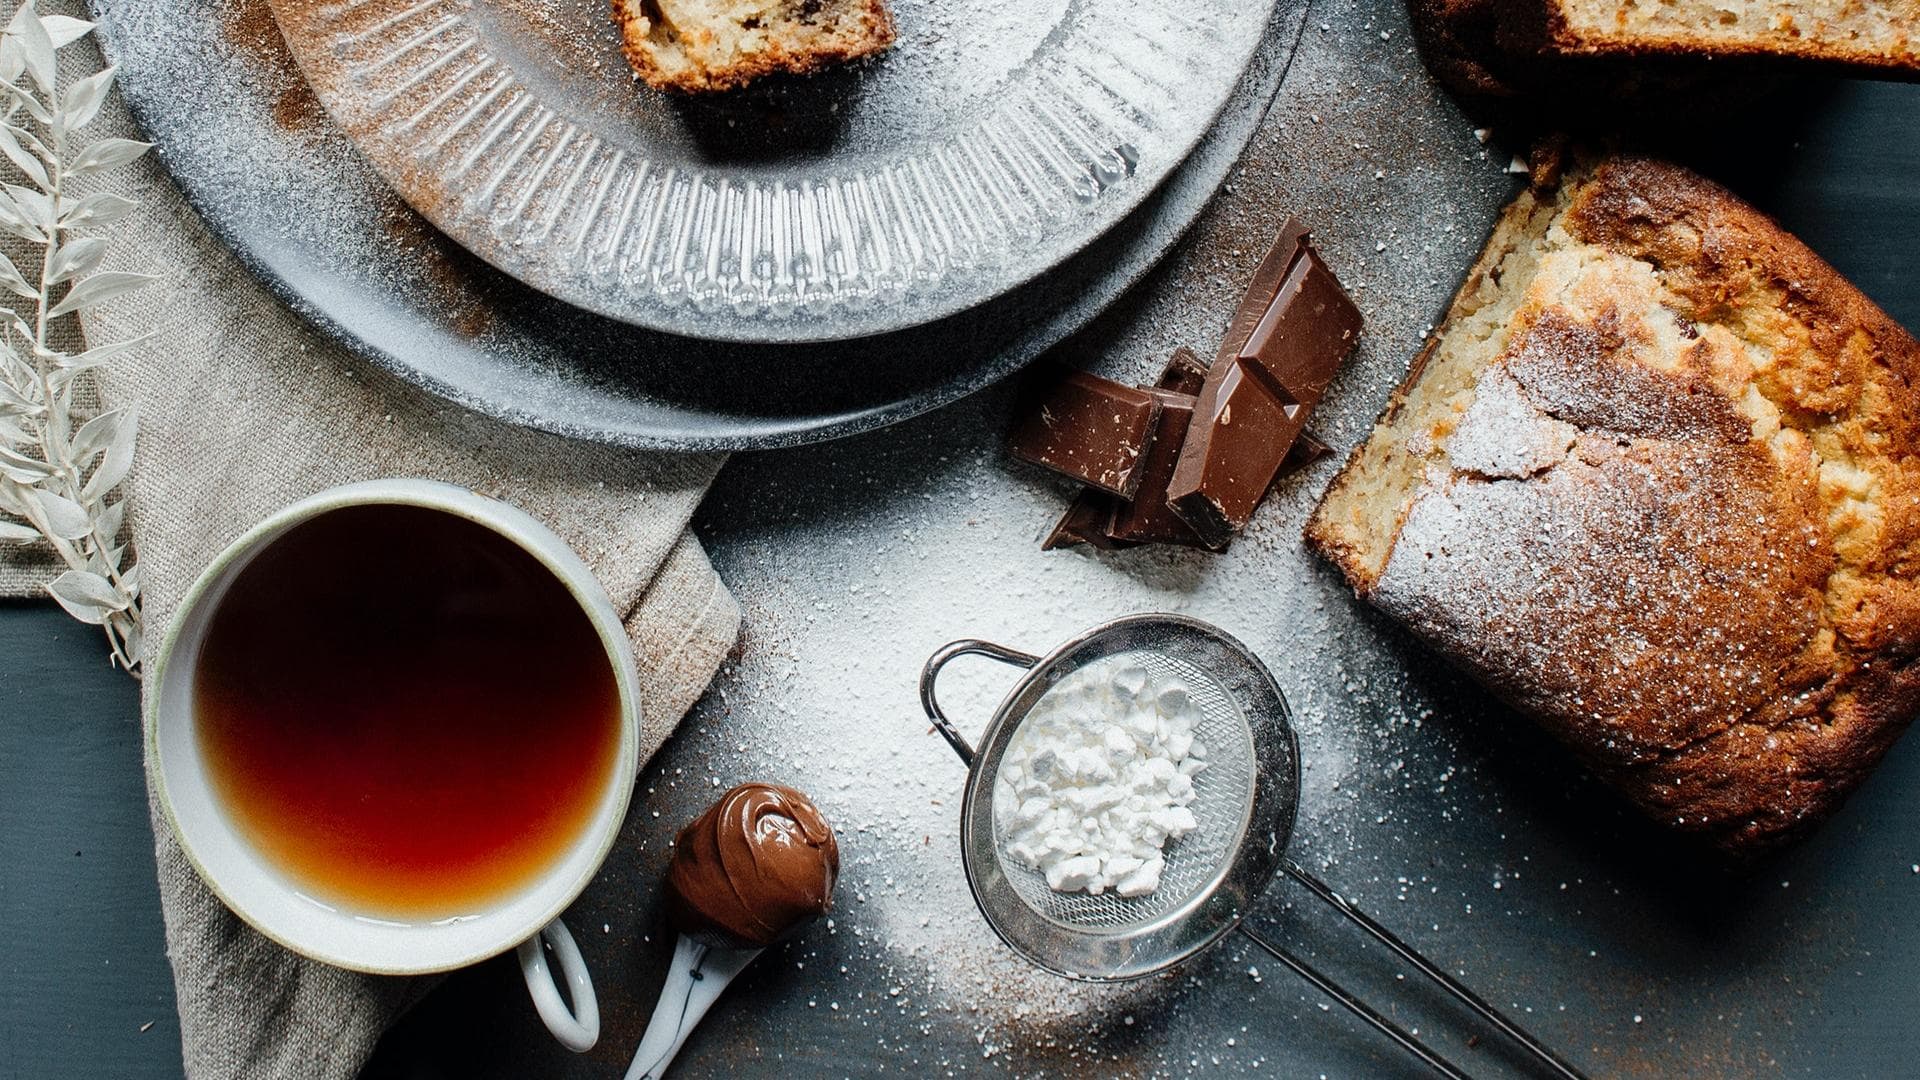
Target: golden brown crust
<point x="1521" y="61"/>
<point x="1688" y="538"/>
<point x="877" y="34"/>
<point x="1457" y="40"/>
<point x="1559" y="39"/>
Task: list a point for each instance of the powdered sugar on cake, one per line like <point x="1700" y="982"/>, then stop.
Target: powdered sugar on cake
<point x="1503" y="434"/>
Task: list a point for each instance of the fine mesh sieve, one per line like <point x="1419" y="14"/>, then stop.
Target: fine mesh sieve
<point x="1244" y="805"/>
<point x="1244" y="802"/>
<point x="1223" y="799"/>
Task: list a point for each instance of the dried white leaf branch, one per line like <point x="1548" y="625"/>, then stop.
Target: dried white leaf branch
<point x="58" y="472"/>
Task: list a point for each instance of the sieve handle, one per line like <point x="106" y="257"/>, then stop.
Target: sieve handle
<point x="1543" y="1054"/>
<point x="931" y="673"/>
<point x="1359" y="1008"/>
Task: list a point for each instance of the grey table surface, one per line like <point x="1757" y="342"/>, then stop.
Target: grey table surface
<point x="1452" y="820"/>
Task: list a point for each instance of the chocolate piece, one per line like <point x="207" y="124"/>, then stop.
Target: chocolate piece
<point x="756" y="866"/>
<point x="1102" y="520"/>
<point x="1185" y="374"/>
<point x="1263" y="289"/>
<point x="1311" y="327"/>
<point x="1147" y="518"/>
<point x="1240" y="443"/>
<point x="1087" y="521"/>
<point x="1257" y="400"/>
<point x="1088" y="428"/>
<point x="1091" y="519"/>
<point x="1306" y="450"/>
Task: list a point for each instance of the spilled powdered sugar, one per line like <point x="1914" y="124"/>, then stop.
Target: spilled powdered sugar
<point x="856" y="560"/>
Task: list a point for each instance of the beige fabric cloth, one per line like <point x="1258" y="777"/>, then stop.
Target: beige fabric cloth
<point x="244" y="408"/>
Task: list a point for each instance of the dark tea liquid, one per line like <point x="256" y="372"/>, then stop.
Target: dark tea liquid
<point x="406" y="712"/>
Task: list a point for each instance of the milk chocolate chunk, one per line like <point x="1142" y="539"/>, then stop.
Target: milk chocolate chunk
<point x="1087" y="521"/>
<point x="1088" y="428"/>
<point x="1090" y="518"/>
<point x="1147" y="518"/>
<point x="1185" y="374"/>
<point x="759" y="864"/>
<point x="1268" y="278"/>
<point x="1309" y="329"/>
<point x="1243" y="431"/>
<point x="1257" y="398"/>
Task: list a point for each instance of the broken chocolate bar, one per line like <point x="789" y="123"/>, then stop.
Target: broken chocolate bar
<point x="1268" y="278"/>
<point x="1185" y="374"/>
<point x="1304" y="336"/>
<point x="1109" y="522"/>
<point x="1090" y="517"/>
<point x="1087" y="521"/>
<point x="1147" y="518"/>
<point x="1259" y="393"/>
<point x="1088" y="428"/>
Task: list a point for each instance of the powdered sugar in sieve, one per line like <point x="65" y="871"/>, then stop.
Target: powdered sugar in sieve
<point x="1141" y="800"/>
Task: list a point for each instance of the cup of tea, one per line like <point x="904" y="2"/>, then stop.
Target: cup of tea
<point x="396" y="727"/>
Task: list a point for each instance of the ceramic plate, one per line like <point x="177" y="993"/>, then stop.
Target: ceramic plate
<point x="237" y="126"/>
<point x="992" y="142"/>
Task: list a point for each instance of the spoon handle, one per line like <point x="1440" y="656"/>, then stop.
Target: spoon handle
<point x="695" y="980"/>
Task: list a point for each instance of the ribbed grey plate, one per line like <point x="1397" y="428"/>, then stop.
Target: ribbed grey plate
<point x="239" y="130"/>
<point x="990" y="144"/>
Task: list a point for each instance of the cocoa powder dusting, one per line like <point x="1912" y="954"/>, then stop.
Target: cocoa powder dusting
<point x="470" y="288"/>
<point x="249" y="27"/>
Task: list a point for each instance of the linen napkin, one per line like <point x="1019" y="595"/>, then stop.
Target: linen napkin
<point x="245" y="408"/>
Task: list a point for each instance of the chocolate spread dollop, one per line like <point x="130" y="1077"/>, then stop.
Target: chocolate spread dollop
<point x="757" y="865"/>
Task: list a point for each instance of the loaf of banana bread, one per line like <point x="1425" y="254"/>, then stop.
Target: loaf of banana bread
<point x="1656" y="482"/>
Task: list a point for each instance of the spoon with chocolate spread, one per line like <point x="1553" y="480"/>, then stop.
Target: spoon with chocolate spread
<point x="755" y="868"/>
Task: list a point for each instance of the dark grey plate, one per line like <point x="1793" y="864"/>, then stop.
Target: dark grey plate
<point x="212" y="84"/>
<point x="991" y="143"/>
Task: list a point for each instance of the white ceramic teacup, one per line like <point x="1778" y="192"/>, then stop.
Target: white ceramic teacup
<point x="266" y="898"/>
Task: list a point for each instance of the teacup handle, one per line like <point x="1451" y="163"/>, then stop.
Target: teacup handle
<point x="579" y="1028"/>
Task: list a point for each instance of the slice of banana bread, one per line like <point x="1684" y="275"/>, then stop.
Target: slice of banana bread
<point x="696" y="46"/>
<point x="1656" y="481"/>
<point x="1551" y="64"/>
<point x="1870" y="36"/>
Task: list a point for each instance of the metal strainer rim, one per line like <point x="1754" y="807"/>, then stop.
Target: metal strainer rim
<point x="1140" y="950"/>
